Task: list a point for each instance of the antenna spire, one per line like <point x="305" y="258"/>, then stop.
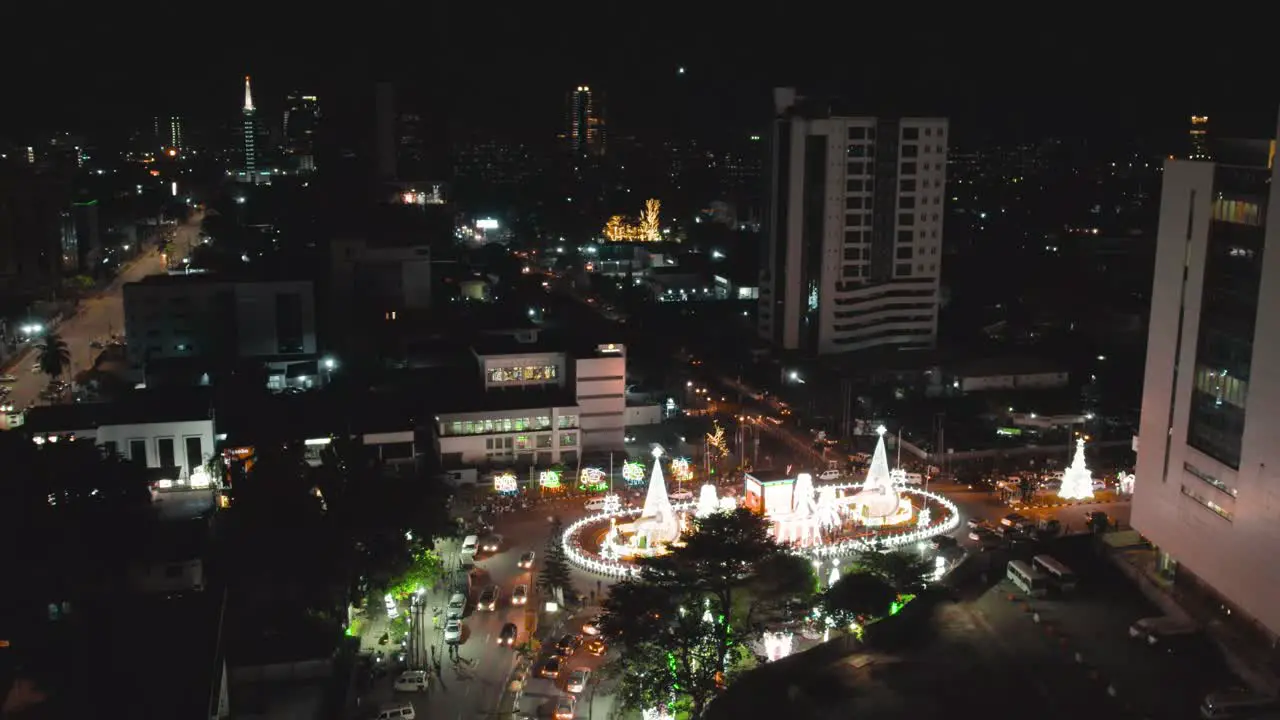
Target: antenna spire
<point x="248" y="96"/>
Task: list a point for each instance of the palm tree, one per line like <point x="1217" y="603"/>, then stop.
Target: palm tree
<point x="55" y="357"/>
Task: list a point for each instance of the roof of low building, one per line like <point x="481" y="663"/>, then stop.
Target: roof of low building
<point x="138" y="407"/>
<point x="992" y="367"/>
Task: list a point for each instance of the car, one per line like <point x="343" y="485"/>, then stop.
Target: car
<point x="942" y="541"/>
<point x="578" y="680"/>
<point x="565" y="708"/>
<point x="488" y="598"/>
<point x="591" y="627"/>
<point x="829" y="474"/>
<point x="680" y="495"/>
<point x="492" y="544"/>
<point x="520" y="595"/>
<point x="413" y="681"/>
<point x="567" y="644"/>
<point x="8" y="379"/>
<point x="526" y="560"/>
<point x="457" y="606"/>
<point x="508" y="635"/>
<point x="453" y="632"/>
<point x="982" y="534"/>
<point x="976" y="522"/>
<point x="95" y="344"/>
<point x="396" y="711"/>
<point x="596" y="647"/>
<point x="1014" y="520"/>
<point x="551" y="668"/>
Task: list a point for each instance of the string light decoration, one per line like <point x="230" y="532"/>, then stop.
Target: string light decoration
<point x="549" y="478"/>
<point x="633" y="472"/>
<point x="592" y="479"/>
<point x="505" y="483"/>
<point x="645" y="229"/>
<point x="778" y="645"/>
<point x="681" y="470"/>
<point x="612" y="504"/>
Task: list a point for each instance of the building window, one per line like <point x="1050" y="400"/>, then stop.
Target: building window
<point x="857" y="151"/>
<point x="544" y="441"/>
<point x="903" y="252"/>
<point x="907" y="202"/>
<point x="138" y="451"/>
<point x="164" y="453"/>
<point x="568" y="421"/>
<point x="857" y="168"/>
<point x="907" y="185"/>
<point x="853" y="203"/>
<point x="906" y="219"/>
<point x="910" y="133"/>
<point x="528" y="373"/>
<point x="854" y="185"/>
<point x="858" y="133"/>
<point x="568" y="439"/>
<point x="910" y="151"/>
<point x="195" y="453"/>
<point x="902" y="269"/>
<point x="908" y="168"/>
<point x="1206" y="502"/>
<point x="523" y="443"/>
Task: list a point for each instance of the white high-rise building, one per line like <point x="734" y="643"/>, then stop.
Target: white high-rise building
<point x="853" y="229"/>
<point x="1207" y="492"/>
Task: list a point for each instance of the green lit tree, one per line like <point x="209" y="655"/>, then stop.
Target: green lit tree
<point x="856" y="598"/>
<point x="555" y="573"/>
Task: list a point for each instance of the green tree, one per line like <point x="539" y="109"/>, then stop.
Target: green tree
<point x="555" y="565"/>
<point x="857" y="597"/>
<point x="903" y="571"/>
<point x="54" y="356"/>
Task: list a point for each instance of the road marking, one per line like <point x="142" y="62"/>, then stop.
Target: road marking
<point x="487" y="637"/>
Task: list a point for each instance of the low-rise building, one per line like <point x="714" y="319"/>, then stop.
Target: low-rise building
<point x="171" y="433"/>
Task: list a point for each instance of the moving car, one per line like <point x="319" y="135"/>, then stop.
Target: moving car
<point x="596" y="647"/>
<point x="453" y="632"/>
<point x="1014" y="520"/>
<point x="520" y="595"/>
<point x="457" y="606"/>
<point x="492" y="544"/>
<point x="592" y="626"/>
<point x="8" y="379"/>
<point x="400" y="711"/>
<point x="508" y="635"/>
<point x="829" y="474"/>
<point x="565" y="708"/>
<point x="567" y="644"/>
<point x="975" y="523"/>
<point x="413" y="681"/>
<point x="488" y="599"/>
<point x="578" y="680"/>
<point x="526" y="560"/>
<point x="551" y="668"/>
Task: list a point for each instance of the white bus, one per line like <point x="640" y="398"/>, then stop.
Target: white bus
<point x="1028" y="580"/>
<point x="1060" y="574"/>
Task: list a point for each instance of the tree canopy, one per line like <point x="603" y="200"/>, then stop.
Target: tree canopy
<point x="856" y="597"/>
<point x="54" y="356"/>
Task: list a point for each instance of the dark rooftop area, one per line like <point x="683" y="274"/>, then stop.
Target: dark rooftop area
<point x="137" y="407"/>
<point x="214" y="278"/>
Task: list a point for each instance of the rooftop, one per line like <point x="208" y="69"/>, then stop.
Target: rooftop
<point x="539" y="341"/>
<point x="138" y="407"/>
<point x="991" y="367"/>
<point x="212" y="279"/>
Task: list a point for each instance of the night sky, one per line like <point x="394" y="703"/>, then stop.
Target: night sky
<point x="493" y="70"/>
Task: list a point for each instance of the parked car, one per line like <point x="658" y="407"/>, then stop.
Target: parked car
<point x="578" y="680"/>
<point x="453" y="632"/>
<point x="830" y="474"/>
<point x="457" y="606"/>
<point x="413" y="681"/>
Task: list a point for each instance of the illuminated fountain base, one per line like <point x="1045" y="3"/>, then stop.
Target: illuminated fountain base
<point x="599" y="544"/>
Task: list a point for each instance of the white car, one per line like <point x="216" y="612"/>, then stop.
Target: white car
<point x="520" y="595"/>
<point x="457" y="606"/>
<point x="413" y="681"/>
<point x="829" y="475"/>
<point x="564" y="708"/>
<point x="591" y="627"/>
<point x="453" y="631"/>
<point x="578" y="680"/>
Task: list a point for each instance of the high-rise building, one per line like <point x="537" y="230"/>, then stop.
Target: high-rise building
<point x="1207" y="489"/>
<point x="1199" y="138"/>
<point x="586" y="129"/>
<point x="301" y="118"/>
<point x="853" y="229"/>
<point x="249" y="135"/>
<point x="168" y="136"/>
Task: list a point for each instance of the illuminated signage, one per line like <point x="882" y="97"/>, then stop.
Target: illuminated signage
<point x="633" y="472"/>
<point x="592" y="479"/>
<point x="549" y="478"/>
<point x="505" y="483"/>
<point x="486" y="224"/>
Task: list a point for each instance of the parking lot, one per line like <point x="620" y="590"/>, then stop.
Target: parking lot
<point x="1080" y="645"/>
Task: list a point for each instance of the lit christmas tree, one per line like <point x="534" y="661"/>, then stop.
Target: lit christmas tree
<point x="1077" y="481"/>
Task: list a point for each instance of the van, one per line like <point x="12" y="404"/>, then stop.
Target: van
<point x="829" y="474"/>
<point x="913" y="478"/>
<point x="595" y="505"/>
<point x="470" y="544"/>
<point x="1235" y="704"/>
<point x="402" y="711"/>
<point x="1158" y="630"/>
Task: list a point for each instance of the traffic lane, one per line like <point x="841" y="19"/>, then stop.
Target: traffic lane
<point x="541" y="693"/>
<point x="180" y="505"/>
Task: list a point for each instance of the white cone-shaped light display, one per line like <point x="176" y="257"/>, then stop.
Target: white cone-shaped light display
<point x="1077" y="481"/>
<point x="708" y="502"/>
<point x="657" y="517"/>
<point x="878" y="498"/>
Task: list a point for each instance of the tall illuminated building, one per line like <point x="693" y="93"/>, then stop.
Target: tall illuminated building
<point x="249" y="135"/>
<point x="586" y="128"/>
<point x="168" y="134"/>
<point x="1199" y="138"/>
<point x="301" y="118"/>
<point x="853" y="229"/>
<point x="1207" y="488"/>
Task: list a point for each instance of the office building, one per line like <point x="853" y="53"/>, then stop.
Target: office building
<point x="32" y="224"/>
<point x="1207" y="490"/>
<point x="81" y="241"/>
<point x="585" y="129"/>
<point x="249" y="136"/>
<point x="1199" y="136"/>
<point x="538" y="405"/>
<point x="168" y="137"/>
<point x="853" y="231"/>
<point x="301" y="118"/>
<point x="184" y="317"/>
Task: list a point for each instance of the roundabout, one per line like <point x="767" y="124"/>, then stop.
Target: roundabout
<point x="824" y="521"/>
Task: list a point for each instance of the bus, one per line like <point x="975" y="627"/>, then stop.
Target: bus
<point x="1060" y="574"/>
<point x="1027" y="580"/>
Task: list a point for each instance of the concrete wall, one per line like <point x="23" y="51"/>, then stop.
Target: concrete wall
<point x="152" y="433"/>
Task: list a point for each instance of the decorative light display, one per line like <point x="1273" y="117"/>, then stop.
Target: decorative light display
<point x="922" y="519"/>
<point x="716" y="441"/>
<point x="1125" y="483"/>
<point x="728" y="504"/>
<point x="505" y="482"/>
<point x="681" y="470"/>
<point x="708" y="503"/>
<point x="593" y="479"/>
<point x="778" y="645"/>
<point x="1077" y="481"/>
<point x="656" y="714"/>
<point x="645" y="229"/>
<point x="633" y="472"/>
<point x="612" y="504"/>
<point x="549" y="478"/>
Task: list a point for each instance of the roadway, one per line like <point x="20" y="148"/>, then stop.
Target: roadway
<point x="97" y="318"/>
